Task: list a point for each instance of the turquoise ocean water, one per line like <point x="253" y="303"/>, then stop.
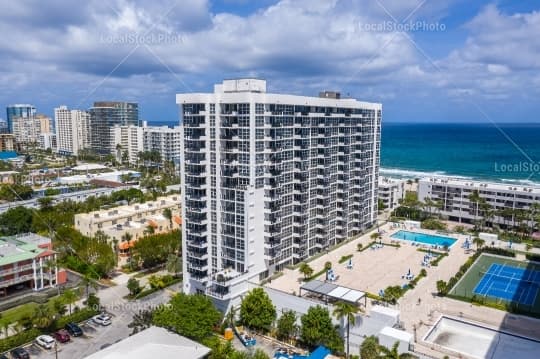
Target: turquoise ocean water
<point x="504" y="152"/>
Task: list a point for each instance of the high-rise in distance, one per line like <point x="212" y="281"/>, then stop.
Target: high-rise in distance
<point x="269" y="180"/>
<point x="19" y="110"/>
<point x="106" y="114"/>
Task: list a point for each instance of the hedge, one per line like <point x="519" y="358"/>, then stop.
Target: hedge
<point x="76" y="317"/>
<point x="17" y="340"/>
<point x="368" y="245"/>
<point x="345" y="258"/>
<point x="533" y="257"/>
<point x="149" y="291"/>
<point x="498" y="251"/>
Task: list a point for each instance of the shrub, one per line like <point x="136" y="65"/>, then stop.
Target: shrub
<point x="77" y="317"/>
<point x="343" y="259"/>
<point x="533" y="257"/>
<point x="328" y="265"/>
<point x="18" y="339"/>
<point x="498" y="251"/>
<point x="433" y="224"/>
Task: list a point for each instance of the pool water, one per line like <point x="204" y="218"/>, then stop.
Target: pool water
<point x="424" y="238"/>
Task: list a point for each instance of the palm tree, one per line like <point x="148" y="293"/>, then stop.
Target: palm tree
<point x="69" y="297"/>
<point x="115" y="249"/>
<point x="42" y="316"/>
<point x="393" y="353"/>
<point x="479" y="242"/>
<point x="126" y="237"/>
<point x="88" y="282"/>
<point x="50" y="266"/>
<point x="346" y="310"/>
<point x="149" y="230"/>
<point x="370" y="348"/>
<point x="474" y="197"/>
<point x="231" y="315"/>
<point x="305" y="269"/>
<point x="167" y="213"/>
<point x="174" y="264"/>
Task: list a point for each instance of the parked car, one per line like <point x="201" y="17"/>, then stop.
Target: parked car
<point x="45" y="341"/>
<point x="74" y="330"/>
<point x="102" y="319"/>
<point x="62" y="336"/>
<point x="19" y="353"/>
<point x="3" y="356"/>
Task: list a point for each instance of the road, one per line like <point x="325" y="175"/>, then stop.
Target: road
<point x="97" y="337"/>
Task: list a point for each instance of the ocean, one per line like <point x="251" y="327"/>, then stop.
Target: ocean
<point x="503" y="153"/>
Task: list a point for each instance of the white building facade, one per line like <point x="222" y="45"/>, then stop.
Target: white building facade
<point x="270" y="180"/>
<point x="72" y="130"/>
<point x="391" y="191"/>
<point x="504" y="200"/>
<point x="127" y="140"/>
<point x="47" y="140"/>
<point x="164" y="140"/>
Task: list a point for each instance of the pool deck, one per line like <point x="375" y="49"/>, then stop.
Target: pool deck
<point x="377" y="269"/>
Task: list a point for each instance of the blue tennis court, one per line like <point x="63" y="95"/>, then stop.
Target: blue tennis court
<point x="509" y="283"/>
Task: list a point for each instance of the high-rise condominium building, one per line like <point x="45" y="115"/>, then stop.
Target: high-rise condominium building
<point x="130" y="140"/>
<point x="164" y="140"/>
<point x="72" y="130"/>
<point x="271" y="179"/>
<point x="19" y="110"/>
<point x="45" y="123"/>
<point x="105" y="115"/>
<point x="26" y="130"/>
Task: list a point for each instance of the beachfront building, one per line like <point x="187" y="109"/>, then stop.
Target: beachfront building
<point x="105" y="115"/>
<point x="45" y="123"/>
<point x="26" y="262"/>
<point x="133" y="219"/>
<point x="269" y="180"/>
<point x="72" y="130"/>
<point x="390" y="192"/>
<point x="454" y="195"/>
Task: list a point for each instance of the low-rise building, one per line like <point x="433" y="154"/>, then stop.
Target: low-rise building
<point x="27" y="261"/>
<point x="454" y="196"/>
<point x="8" y="177"/>
<point x="133" y="219"/>
<point x="390" y="191"/>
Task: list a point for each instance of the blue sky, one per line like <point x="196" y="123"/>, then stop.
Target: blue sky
<point x="426" y="61"/>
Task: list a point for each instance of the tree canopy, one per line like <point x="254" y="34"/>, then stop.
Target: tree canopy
<point x="317" y="329"/>
<point x="192" y="316"/>
<point x="257" y="310"/>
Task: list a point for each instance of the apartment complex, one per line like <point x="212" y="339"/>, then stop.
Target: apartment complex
<point x="454" y="195"/>
<point x="127" y="140"/>
<point x="19" y="110"/>
<point x="131" y="140"/>
<point x="26" y="262"/>
<point x="133" y="219"/>
<point x="164" y="140"/>
<point x="47" y="140"/>
<point x="391" y="191"/>
<point x="26" y="130"/>
<point x="105" y="115"/>
<point x="45" y="123"/>
<point x="270" y="180"/>
<point x="72" y="130"/>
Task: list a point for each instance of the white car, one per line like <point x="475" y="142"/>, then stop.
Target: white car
<point x="45" y="341"/>
<point x="102" y="319"/>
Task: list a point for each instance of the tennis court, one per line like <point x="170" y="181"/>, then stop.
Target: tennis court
<point x="509" y="283"/>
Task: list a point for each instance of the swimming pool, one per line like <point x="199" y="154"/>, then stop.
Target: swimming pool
<point x="424" y="238"/>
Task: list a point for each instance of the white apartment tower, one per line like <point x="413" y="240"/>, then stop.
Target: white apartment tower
<point x="270" y="180"/>
<point x="164" y="140"/>
<point x="127" y="140"/>
<point x="72" y="130"/>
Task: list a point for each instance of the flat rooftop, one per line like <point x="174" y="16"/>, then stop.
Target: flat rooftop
<point x="480" y="185"/>
<point x="21" y="247"/>
<point x="152" y="343"/>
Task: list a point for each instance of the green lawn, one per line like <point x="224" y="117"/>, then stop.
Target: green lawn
<point x="14" y="314"/>
<point x="464" y="289"/>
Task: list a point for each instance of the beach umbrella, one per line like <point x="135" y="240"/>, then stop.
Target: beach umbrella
<point x="350" y="262"/>
<point x="409" y="272"/>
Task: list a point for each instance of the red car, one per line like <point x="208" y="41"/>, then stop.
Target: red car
<point x="62" y="336"/>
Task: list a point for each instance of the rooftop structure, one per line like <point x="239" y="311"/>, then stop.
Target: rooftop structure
<point x="152" y="342"/>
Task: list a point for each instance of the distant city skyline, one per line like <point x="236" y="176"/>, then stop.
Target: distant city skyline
<point x="448" y="61"/>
